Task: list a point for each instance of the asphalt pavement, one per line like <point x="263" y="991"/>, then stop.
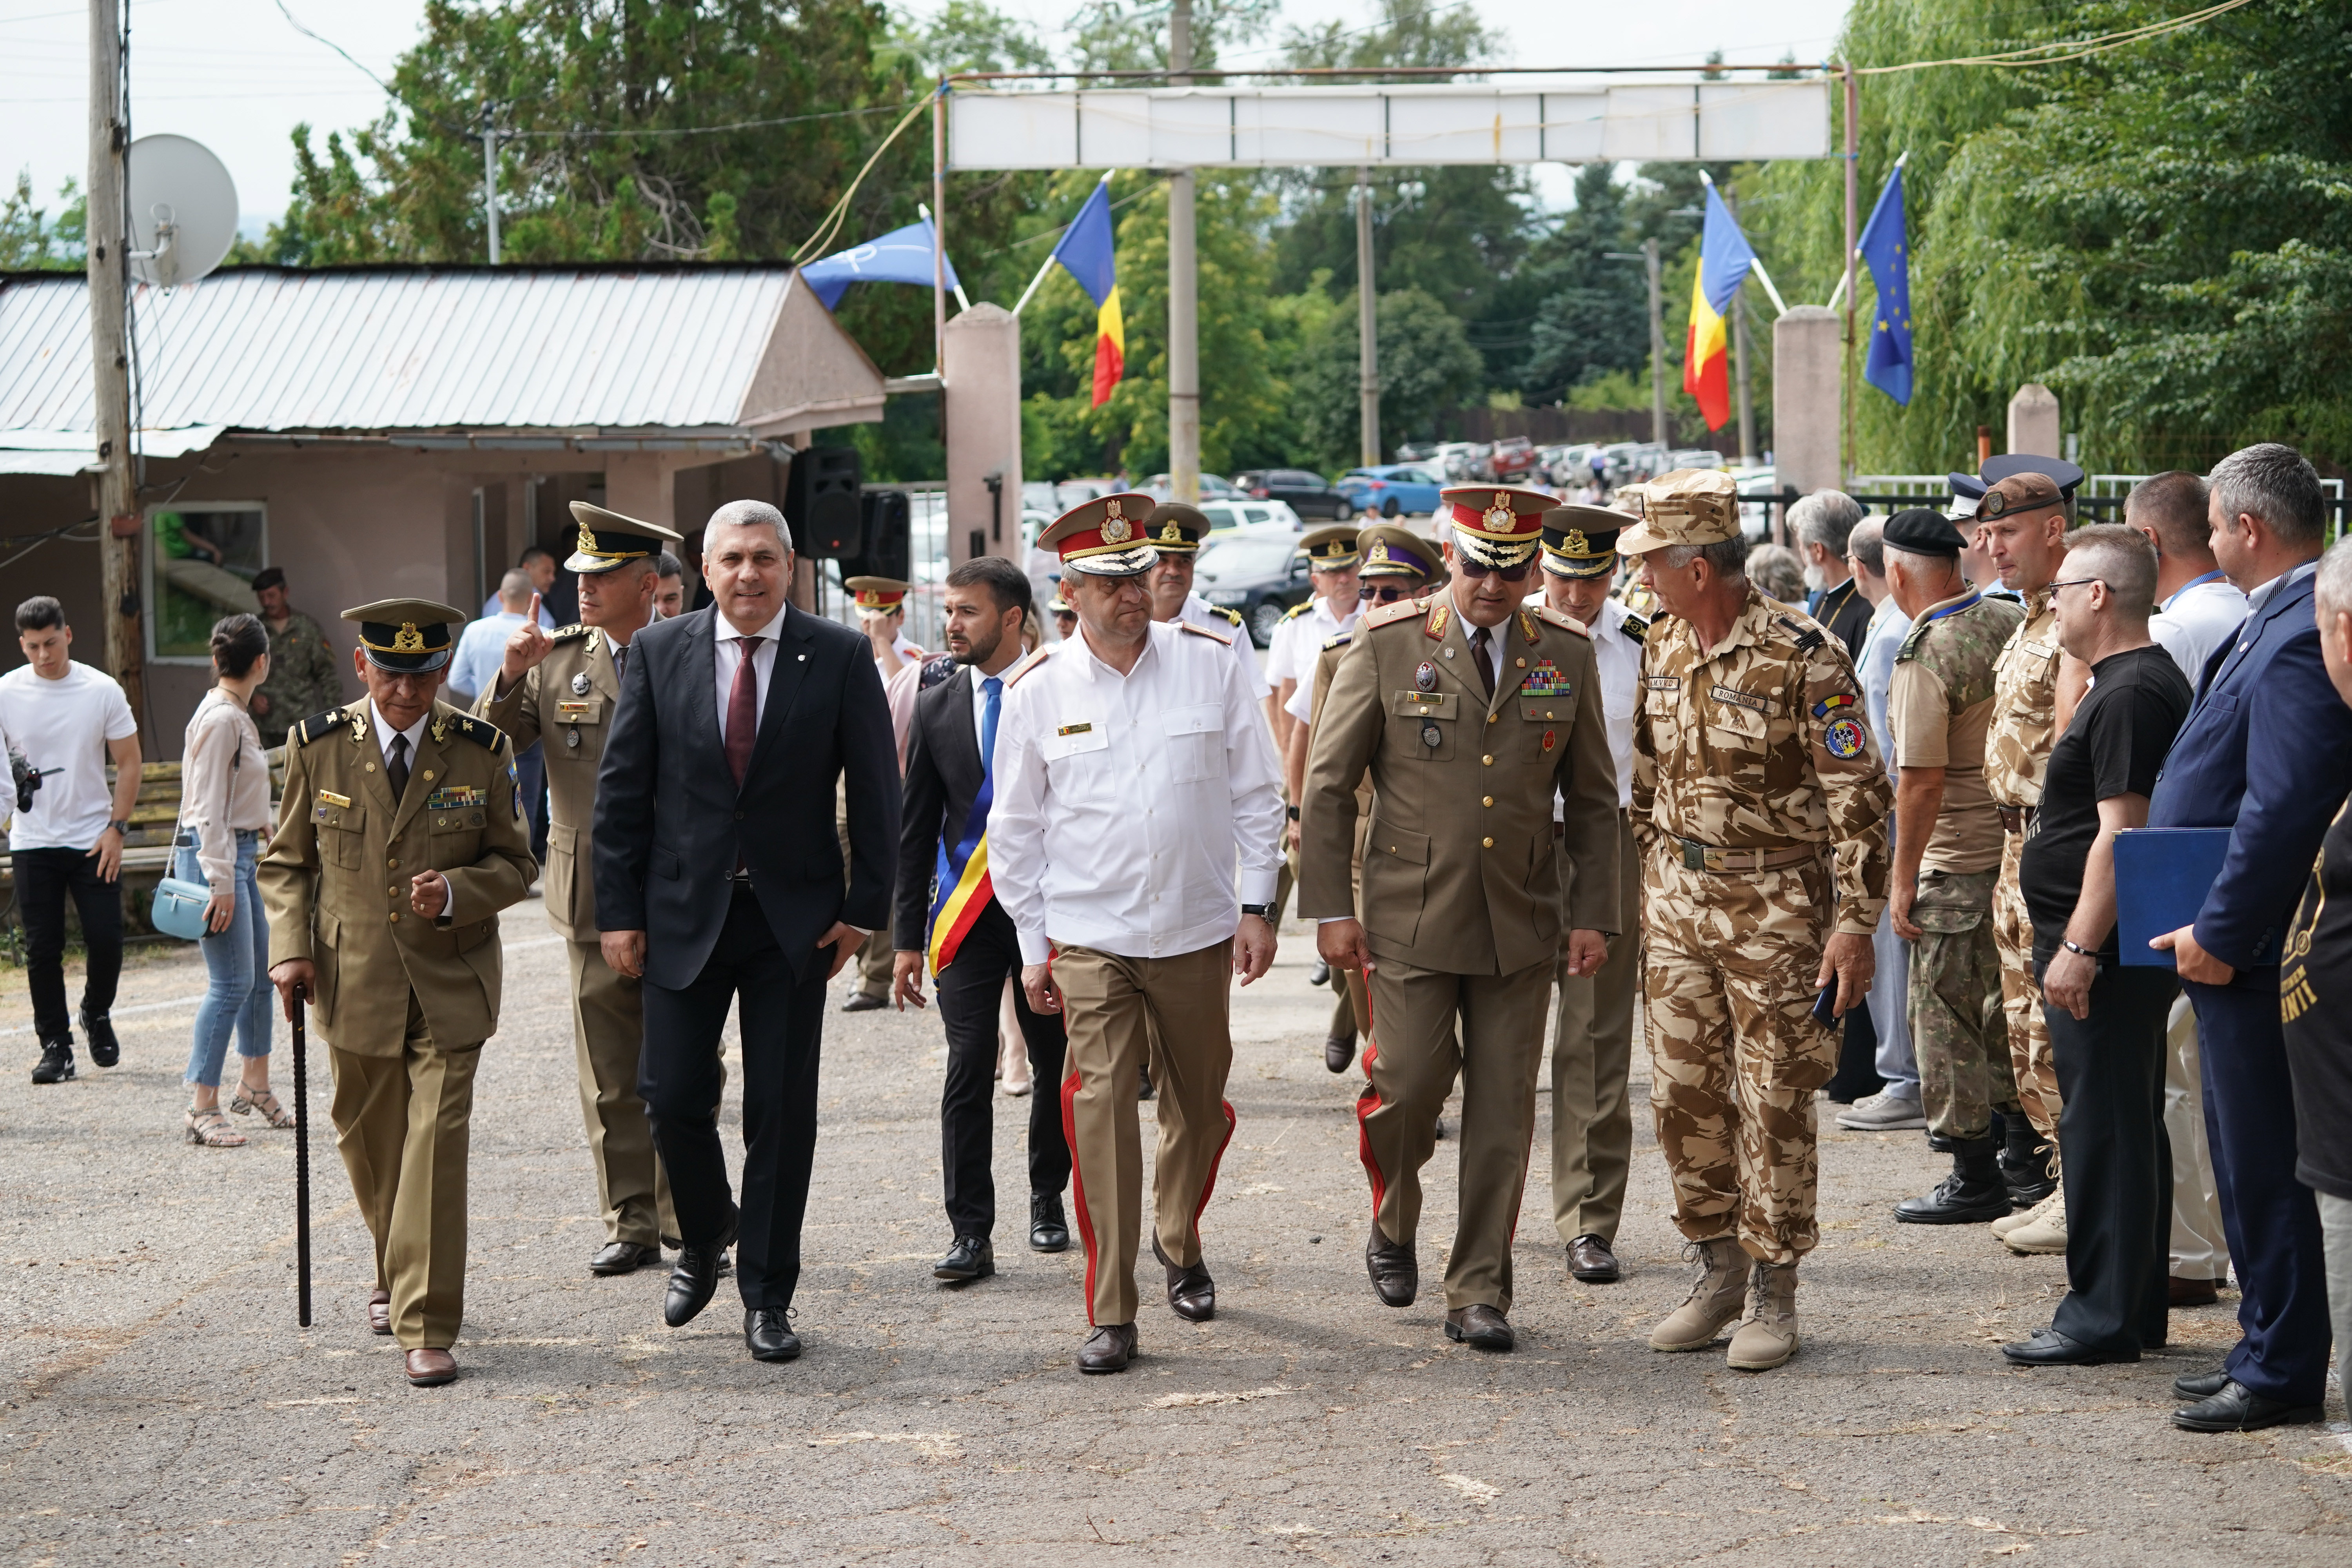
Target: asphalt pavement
<point x="158" y="1403"/>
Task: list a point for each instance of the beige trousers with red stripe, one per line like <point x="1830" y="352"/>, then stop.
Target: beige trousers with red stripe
<point x="1119" y="1011"/>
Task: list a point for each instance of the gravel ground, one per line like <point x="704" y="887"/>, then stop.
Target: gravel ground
<point x="158" y="1403"/>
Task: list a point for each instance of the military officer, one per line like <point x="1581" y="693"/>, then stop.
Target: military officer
<point x="1758" y="792"/>
<point x="1337" y="601"/>
<point x="1592" y="1018"/>
<point x="1397" y="563"/>
<point x="405" y="792"/>
<point x="1470" y="710"/>
<point x="562" y="690"/>
<point x="882" y="615"/>
<point x="1176" y="532"/>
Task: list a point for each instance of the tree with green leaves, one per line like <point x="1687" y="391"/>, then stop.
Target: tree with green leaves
<point x="33" y="241"/>
<point x="1427" y="366"/>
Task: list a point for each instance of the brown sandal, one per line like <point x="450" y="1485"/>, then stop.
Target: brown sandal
<point x="211" y="1130"/>
<point x="246" y="1100"/>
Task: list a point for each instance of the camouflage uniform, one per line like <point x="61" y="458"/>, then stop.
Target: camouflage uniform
<point x="303" y="677"/>
<point x="2017" y="755"/>
<point x="1757" y="747"/>
<point x="1955" y="1010"/>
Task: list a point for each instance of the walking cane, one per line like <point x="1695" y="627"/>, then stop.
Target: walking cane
<point x="302" y="1168"/>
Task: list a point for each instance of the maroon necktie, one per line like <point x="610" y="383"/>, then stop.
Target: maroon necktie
<point x="743" y="712"/>
<point x="1480" y="641"/>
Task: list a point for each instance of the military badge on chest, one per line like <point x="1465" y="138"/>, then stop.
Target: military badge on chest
<point x="580" y="684"/>
<point x="1424" y="678"/>
<point x="1545" y="681"/>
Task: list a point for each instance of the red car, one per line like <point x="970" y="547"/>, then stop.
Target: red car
<point x="1513" y="458"/>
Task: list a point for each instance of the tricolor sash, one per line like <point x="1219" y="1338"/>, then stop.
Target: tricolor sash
<point x="959" y="885"/>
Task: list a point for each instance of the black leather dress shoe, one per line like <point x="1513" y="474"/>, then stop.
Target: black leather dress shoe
<point x="1192" y="1294"/>
<point x="696" y="1276"/>
<point x="1480" y="1328"/>
<point x="1589" y="1259"/>
<point x="2048" y="1347"/>
<point x="105" y="1050"/>
<point x="860" y="1001"/>
<point x="972" y="1257"/>
<point x="1318" y="972"/>
<point x="622" y="1258"/>
<point x="1108" y="1349"/>
<point x="1338" y="1053"/>
<point x="2238" y="1408"/>
<point x="1048" y="1231"/>
<point x="767" y="1330"/>
<point x="2193" y="1387"/>
<point x="1143" y="1089"/>
<point x="1395" y="1270"/>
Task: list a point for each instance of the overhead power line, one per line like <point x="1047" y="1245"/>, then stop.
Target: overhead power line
<point x="2054" y="54"/>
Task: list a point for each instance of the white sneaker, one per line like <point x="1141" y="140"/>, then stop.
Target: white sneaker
<point x="1882" y="1112"/>
<point x="2023" y="1217"/>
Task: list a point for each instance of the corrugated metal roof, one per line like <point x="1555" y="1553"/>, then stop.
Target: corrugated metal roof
<point x="406" y="348"/>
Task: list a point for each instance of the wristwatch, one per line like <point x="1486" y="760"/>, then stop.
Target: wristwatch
<point x="1262" y="911"/>
<point x="1291" y="812"/>
<point x="2076" y="947"/>
<point x="121" y="825"/>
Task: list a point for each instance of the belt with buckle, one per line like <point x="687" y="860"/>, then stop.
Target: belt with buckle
<point x="1697" y="856"/>
<point x="2015" y="818"/>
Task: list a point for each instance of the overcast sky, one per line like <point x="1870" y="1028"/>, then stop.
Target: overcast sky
<point x="236" y="76"/>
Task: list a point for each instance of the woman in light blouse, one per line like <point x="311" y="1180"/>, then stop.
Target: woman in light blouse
<point x="223" y="821"/>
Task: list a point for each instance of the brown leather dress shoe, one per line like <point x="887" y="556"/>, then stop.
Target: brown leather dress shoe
<point x="429" y="1368"/>
<point x="380" y="1311"/>
<point x="1481" y="1328"/>
<point x="1395" y="1271"/>
<point x="2185" y="1292"/>
<point x="1192" y="1294"/>
<point x="1589" y="1259"/>
<point x="1108" y="1349"/>
<point x="1338" y="1053"/>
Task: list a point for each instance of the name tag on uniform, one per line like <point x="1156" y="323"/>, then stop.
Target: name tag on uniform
<point x="455" y="798"/>
<point x="1662" y="682"/>
<point x="590" y="712"/>
<point x="1740" y="699"/>
<point x="330" y="798"/>
<point x="1076" y="730"/>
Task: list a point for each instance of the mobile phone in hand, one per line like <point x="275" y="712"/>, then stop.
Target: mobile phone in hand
<point x="1825" y="1005"/>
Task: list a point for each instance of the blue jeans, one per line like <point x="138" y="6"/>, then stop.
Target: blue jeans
<point x="241" y="998"/>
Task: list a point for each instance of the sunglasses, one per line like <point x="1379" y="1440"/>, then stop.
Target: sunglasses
<point x="1389" y="593"/>
<point x="1475" y="571"/>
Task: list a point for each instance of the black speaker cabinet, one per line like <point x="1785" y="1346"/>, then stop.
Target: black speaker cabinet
<point x="890" y="537"/>
<point x="821" y="503"/>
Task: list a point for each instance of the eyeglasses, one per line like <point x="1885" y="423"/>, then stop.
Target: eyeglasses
<point x="2074" y="583"/>
<point x="1475" y="571"/>
<point x="1389" y="593"/>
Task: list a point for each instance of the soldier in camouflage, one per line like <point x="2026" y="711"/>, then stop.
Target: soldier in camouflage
<point x="1759" y="805"/>
<point x="1947" y="840"/>
<point x="302" y="675"/>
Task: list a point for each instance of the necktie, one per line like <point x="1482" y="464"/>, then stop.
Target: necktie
<point x="992" y="698"/>
<point x="1480" y="641"/>
<point x="620" y="660"/>
<point x="395" y="766"/>
<point x="743" y="711"/>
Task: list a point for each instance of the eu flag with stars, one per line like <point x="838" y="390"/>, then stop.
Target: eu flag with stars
<point x="1888" y="255"/>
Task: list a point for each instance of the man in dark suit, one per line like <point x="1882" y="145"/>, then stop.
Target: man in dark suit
<point x="2267" y="753"/>
<point x="1821" y="523"/>
<point x="947" y="913"/>
<point x="718" y="879"/>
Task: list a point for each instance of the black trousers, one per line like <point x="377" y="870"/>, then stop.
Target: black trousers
<point x="2118" y="1181"/>
<point x="44" y="878"/>
<point x="679" y="1079"/>
<point x="969" y="990"/>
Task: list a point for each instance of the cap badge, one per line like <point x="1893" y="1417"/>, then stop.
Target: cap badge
<point x="1425" y="677"/>
<point x="586" y="543"/>
<point x="1171" y="534"/>
<point x="580" y="684"/>
<point x="1379" y="551"/>
<point x="409" y="640"/>
<point x="1116" y="529"/>
<point x="1498" y="516"/>
<point x="1577" y="543"/>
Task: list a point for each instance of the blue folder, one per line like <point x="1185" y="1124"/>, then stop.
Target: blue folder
<point x="2162" y="877"/>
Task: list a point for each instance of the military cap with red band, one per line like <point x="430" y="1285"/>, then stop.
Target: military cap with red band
<point x="877" y="593"/>
<point x="1105" y="537"/>
<point x="1496" y="525"/>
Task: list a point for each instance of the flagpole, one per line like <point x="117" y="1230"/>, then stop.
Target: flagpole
<point x="923" y="211"/>
<point x="1852" y="219"/>
<point x="1035" y="283"/>
<point x="1771" y="293"/>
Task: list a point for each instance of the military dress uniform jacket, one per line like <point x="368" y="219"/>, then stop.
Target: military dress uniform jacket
<point x="335" y="880"/>
<point x="566" y="700"/>
<point x="1460" y="873"/>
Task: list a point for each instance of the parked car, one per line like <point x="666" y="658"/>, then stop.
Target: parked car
<point x="1694" y="457"/>
<point x="1511" y="460"/>
<point x="1393" y="489"/>
<point x="1257" y="572"/>
<point x="1457" y="461"/>
<point x="1305" y="493"/>
<point x="1213" y="488"/>
<point x="1416" y="451"/>
<point x="1247" y="513"/>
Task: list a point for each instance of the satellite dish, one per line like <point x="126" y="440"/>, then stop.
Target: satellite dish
<point x="182" y="210"/>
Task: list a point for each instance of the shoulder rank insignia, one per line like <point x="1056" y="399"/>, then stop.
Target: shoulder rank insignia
<point x="1433" y="626"/>
<point x="1527" y="628"/>
<point x="575" y="629"/>
<point x="1808" y="638"/>
<point x="1633" y="626"/>
<point x="1388" y="615"/>
<point x="481" y="732"/>
<point x="1028" y="662"/>
<point x="1566" y="622"/>
<point x="1219" y="638"/>
<point x="1342" y="640"/>
<point x="1232" y="616"/>
<point x="319" y="724"/>
<point x="1298" y="610"/>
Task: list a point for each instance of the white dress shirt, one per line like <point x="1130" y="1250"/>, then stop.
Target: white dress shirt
<point x="728" y="657"/>
<point x="383" y="732"/>
<point x="1289" y="656"/>
<point x="2192" y="625"/>
<point x="1124" y="803"/>
<point x="1197" y="611"/>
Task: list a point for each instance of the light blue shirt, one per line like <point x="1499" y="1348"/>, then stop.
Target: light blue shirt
<point x="1875" y="669"/>
<point x="546" y="620"/>
<point x="481" y="649"/>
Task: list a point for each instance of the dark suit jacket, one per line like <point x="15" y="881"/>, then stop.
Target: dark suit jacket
<point x="2267" y="751"/>
<point x="1846" y="614"/>
<point x="670" y="822"/>
<point x="943" y="776"/>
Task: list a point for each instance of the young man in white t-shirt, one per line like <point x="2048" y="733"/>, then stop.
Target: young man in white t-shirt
<point x="68" y="720"/>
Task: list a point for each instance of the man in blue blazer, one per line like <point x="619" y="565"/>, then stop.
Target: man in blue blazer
<point x="2267" y="753"/>
<point x="718" y="879"/>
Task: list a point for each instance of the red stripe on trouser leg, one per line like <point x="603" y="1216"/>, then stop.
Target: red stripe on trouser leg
<point x="1366" y="1103"/>
<point x="1215" y="1160"/>
<point x="1078" y="1185"/>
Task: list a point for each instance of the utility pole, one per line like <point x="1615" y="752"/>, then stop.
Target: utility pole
<point x="1853" y="221"/>
<point x="1657" y="343"/>
<point x="1367" y="352"/>
<point x="1183" y="293"/>
<point x="1739" y="354"/>
<point x="490" y="174"/>
<point x="111" y="355"/>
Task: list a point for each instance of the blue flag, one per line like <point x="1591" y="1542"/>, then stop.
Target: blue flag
<point x="901" y="256"/>
<point x="1888" y="255"/>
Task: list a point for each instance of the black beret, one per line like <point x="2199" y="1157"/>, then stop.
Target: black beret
<point x="1923" y="532"/>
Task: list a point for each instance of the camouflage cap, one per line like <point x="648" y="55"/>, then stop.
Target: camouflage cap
<point x="1685" y="506"/>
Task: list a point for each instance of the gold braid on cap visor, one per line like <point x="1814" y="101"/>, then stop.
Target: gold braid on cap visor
<point x="1488" y="551"/>
<point x="1578" y="565"/>
<point x="586" y="544"/>
<point x="408" y="639"/>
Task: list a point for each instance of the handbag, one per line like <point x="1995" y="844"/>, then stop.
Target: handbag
<point x="179" y="909"/>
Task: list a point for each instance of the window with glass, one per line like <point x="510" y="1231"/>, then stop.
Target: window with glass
<point x="201" y="563"/>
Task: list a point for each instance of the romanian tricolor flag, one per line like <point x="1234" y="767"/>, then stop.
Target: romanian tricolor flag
<point x="1723" y="258"/>
<point x="1085" y="253"/>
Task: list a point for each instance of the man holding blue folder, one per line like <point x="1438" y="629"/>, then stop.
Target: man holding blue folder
<point x="2267" y="752"/>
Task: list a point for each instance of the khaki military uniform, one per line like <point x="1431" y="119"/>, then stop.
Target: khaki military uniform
<point x="1463" y="907"/>
<point x="2017" y="755"/>
<point x="404" y="1003"/>
<point x="1352" y="1004"/>
<point x="1940" y="703"/>
<point x="567" y="702"/>
<point x="1757" y="794"/>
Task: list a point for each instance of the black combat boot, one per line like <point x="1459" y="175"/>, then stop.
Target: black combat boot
<point x="1973" y="1193"/>
<point x="2025" y="1164"/>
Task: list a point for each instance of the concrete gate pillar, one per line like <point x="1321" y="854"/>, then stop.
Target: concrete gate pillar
<point x="981" y="366"/>
<point x="2033" y="422"/>
<point x="637" y="484"/>
<point x="1806" y="344"/>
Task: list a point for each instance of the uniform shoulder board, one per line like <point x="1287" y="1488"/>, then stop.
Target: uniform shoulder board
<point x="576" y="630"/>
<point x="1633" y="626"/>
<point x="1232" y="616"/>
<point x="1298" y="610"/>
<point x="1342" y="640"/>
<point x="1808" y="637"/>
<point x="1561" y="618"/>
<point x="481" y="732"/>
<point x="1027" y="663"/>
<point x="1388" y="615"/>
<point x="319" y="724"/>
<point x="1219" y="638"/>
